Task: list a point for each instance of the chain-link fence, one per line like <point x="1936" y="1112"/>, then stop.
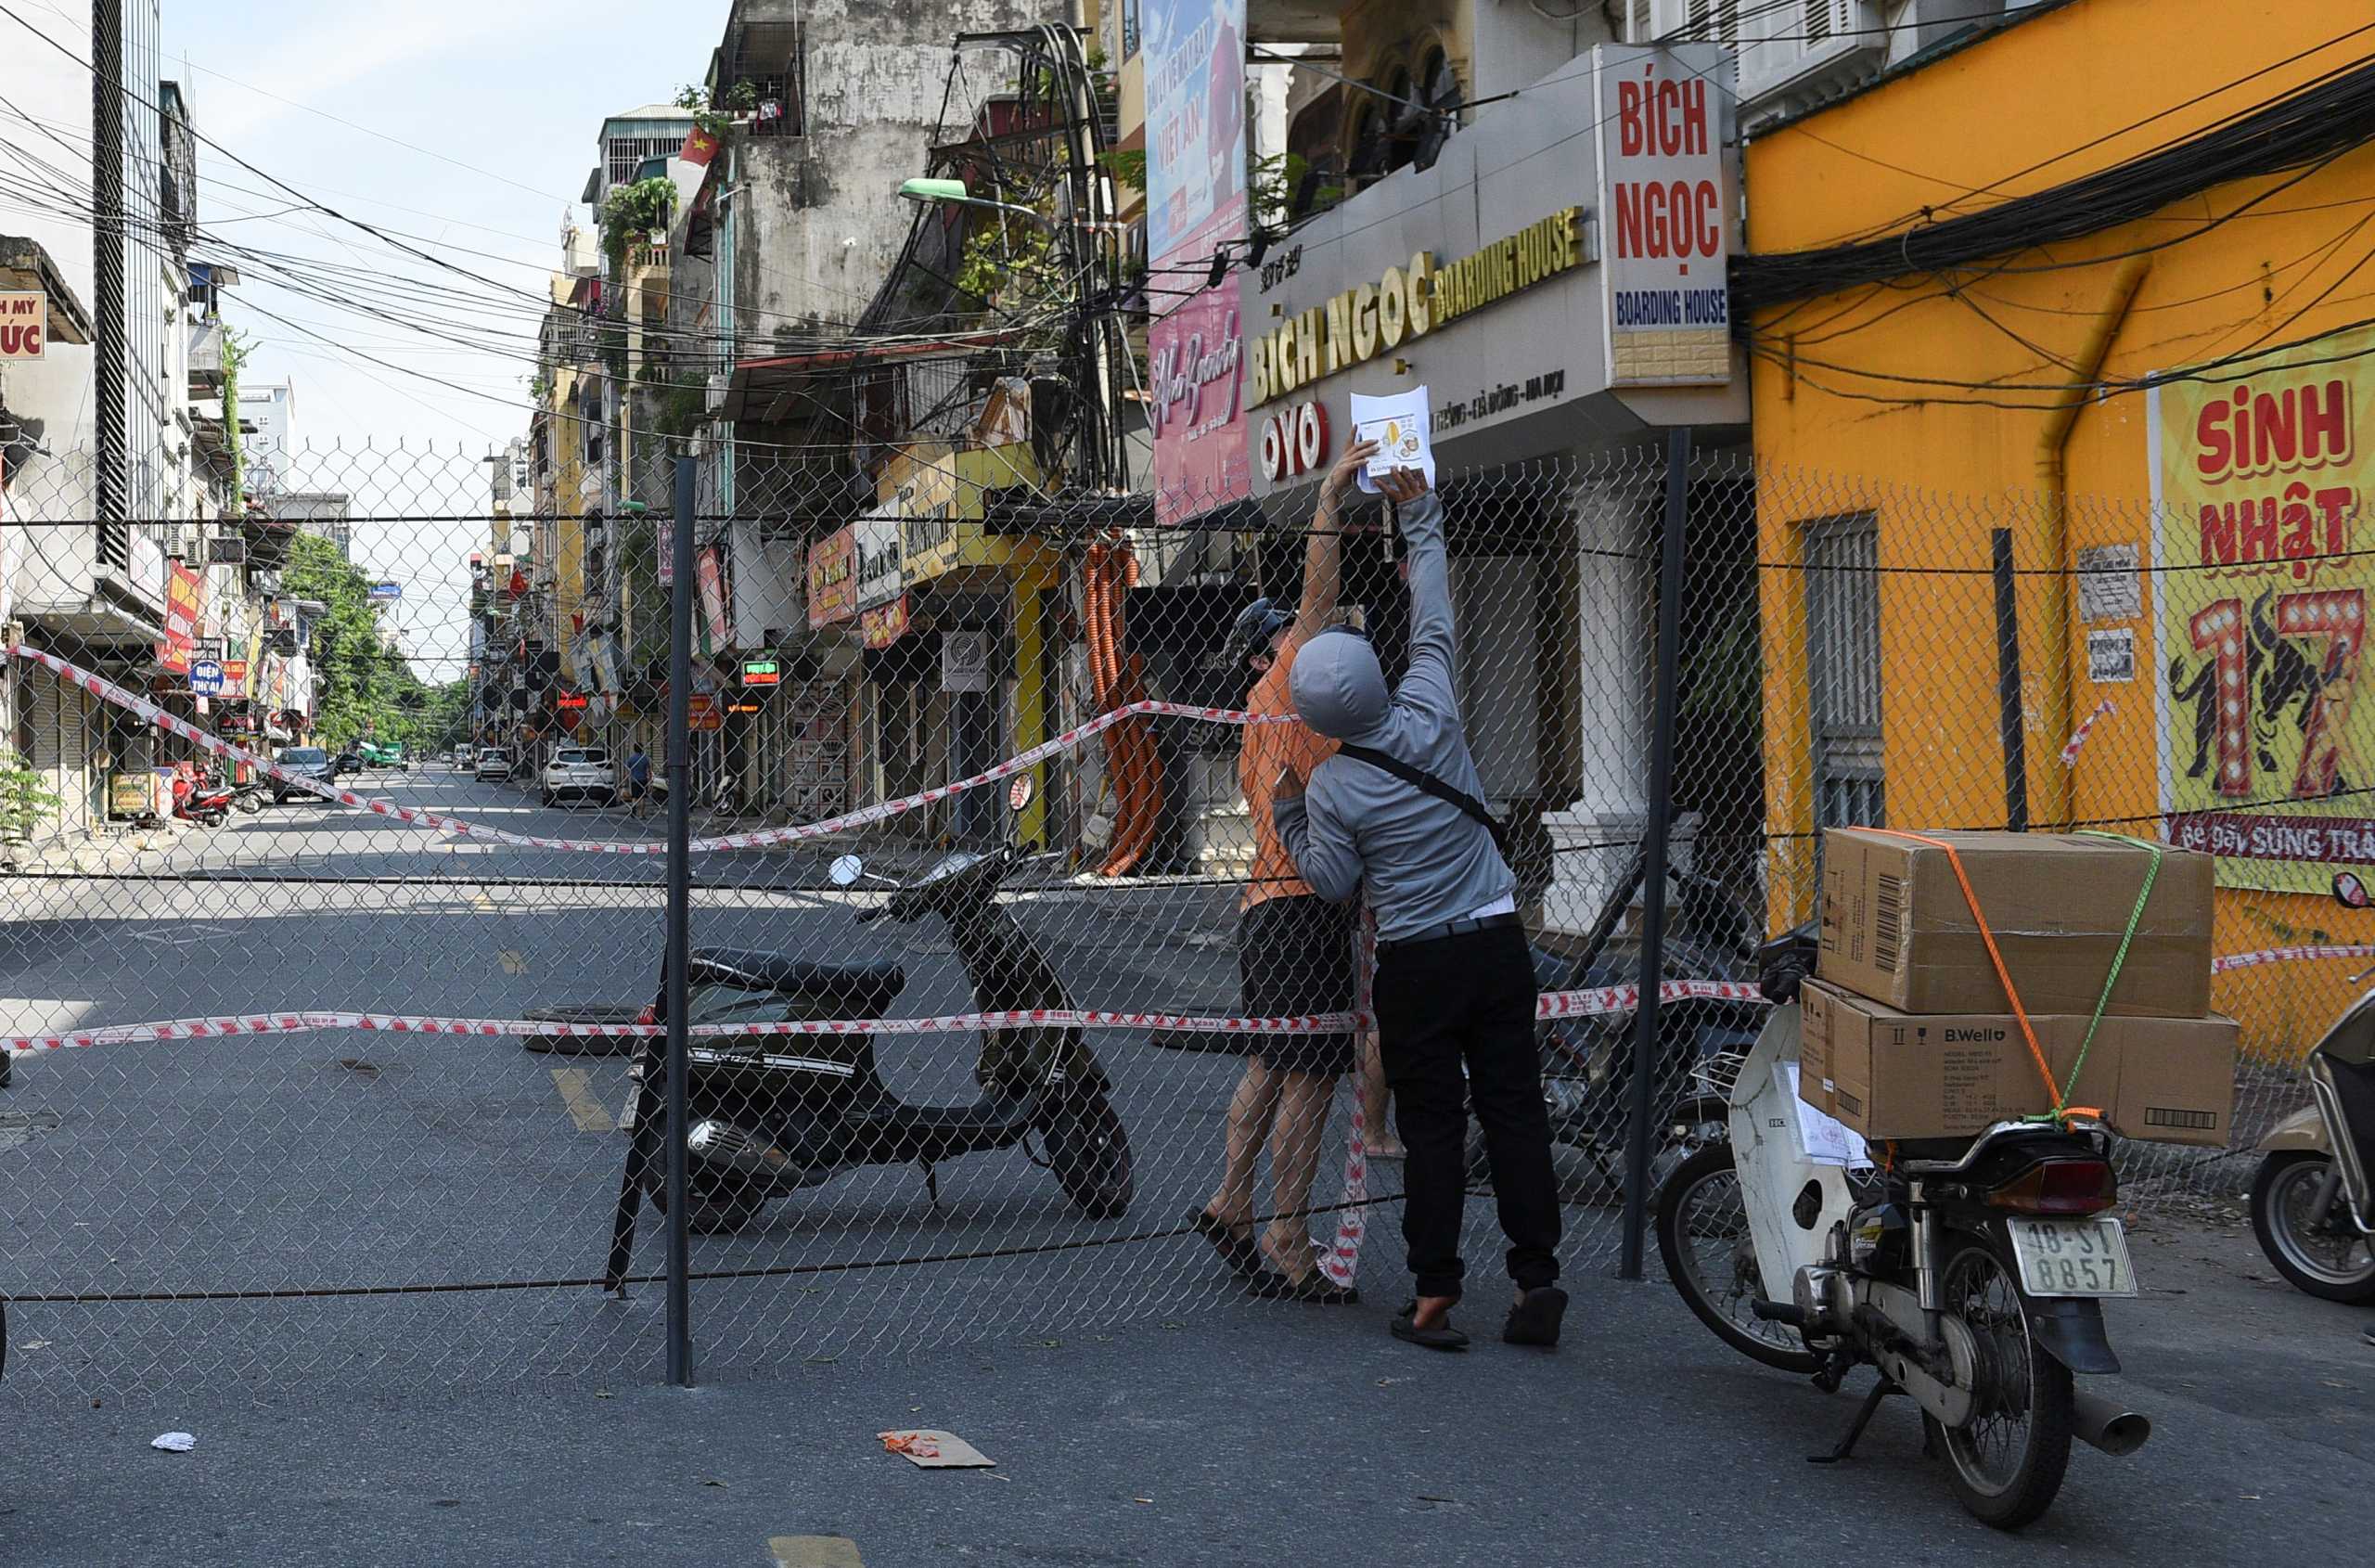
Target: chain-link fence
<point x="459" y="676"/>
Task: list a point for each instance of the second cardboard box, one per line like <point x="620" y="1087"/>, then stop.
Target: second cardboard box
<point x="1892" y="1074"/>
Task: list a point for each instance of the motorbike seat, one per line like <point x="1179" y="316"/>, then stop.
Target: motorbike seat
<point x="864" y="988"/>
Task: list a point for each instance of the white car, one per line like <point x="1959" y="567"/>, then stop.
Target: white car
<point x="493" y="764"/>
<point x="582" y="772"/>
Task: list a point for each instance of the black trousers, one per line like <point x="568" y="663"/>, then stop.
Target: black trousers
<point x="1467" y="1000"/>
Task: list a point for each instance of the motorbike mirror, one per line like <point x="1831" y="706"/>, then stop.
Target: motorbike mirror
<point x="846" y="870"/>
<point x="1021" y="792"/>
<point x="2350" y="891"/>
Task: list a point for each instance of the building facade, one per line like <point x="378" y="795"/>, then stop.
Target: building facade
<point x="2099" y="564"/>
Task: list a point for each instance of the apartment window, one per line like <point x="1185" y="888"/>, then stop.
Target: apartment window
<point x="1716" y="22"/>
<point x="621" y="156"/>
<point x="1844" y="670"/>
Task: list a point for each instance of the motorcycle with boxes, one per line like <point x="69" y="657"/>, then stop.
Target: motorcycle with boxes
<point x="1917" y="1177"/>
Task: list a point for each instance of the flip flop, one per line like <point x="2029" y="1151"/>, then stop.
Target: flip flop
<point x="1315" y="1289"/>
<point x="1242" y="1256"/>
<point x="1536" y="1319"/>
<point x="1442" y="1336"/>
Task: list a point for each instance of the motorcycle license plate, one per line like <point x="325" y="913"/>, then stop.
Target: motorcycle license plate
<point x="2072" y="1258"/>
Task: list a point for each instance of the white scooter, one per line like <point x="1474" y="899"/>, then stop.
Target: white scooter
<point x="2312" y="1205"/>
<point x="1968" y="1272"/>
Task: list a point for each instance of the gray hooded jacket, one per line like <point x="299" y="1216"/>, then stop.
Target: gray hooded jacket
<point x="1425" y="860"/>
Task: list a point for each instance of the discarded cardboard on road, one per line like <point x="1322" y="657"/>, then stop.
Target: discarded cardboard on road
<point x="935" y="1450"/>
<point x="1898" y="927"/>
<point x="1893" y="1074"/>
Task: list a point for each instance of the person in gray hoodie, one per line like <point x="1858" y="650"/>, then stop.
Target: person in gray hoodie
<point x="1454" y="976"/>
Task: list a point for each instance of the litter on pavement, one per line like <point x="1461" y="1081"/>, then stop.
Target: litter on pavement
<point x="935" y="1450"/>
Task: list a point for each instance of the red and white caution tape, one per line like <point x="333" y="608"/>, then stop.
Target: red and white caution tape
<point x="1341" y="1262"/>
<point x="132" y="702"/>
<point x="2291" y="955"/>
<point x="2079" y="739"/>
<point x="1553" y="1003"/>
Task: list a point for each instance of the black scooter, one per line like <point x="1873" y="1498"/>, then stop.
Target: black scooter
<point x="771" y="1114"/>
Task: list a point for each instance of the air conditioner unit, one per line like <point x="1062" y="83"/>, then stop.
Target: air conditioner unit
<point x="718" y="383"/>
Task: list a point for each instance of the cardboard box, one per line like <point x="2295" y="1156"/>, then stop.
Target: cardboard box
<point x="1896" y="926"/>
<point x="1888" y="1073"/>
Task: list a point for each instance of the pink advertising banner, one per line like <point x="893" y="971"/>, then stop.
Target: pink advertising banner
<point x="1196" y="205"/>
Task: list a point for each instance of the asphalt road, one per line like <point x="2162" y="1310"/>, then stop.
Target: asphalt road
<point x="1243" y="1433"/>
<point x="1140" y="1410"/>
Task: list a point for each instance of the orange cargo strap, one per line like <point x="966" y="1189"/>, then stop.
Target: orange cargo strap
<point x="1996" y="957"/>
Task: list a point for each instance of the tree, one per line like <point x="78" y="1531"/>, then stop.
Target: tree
<point x="361" y="686"/>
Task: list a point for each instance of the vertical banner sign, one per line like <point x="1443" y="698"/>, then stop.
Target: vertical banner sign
<point x="2260" y="586"/>
<point x="184" y="596"/>
<point x="709" y="570"/>
<point x="1663" y="115"/>
<point x="832" y="580"/>
<point x="1196" y="204"/>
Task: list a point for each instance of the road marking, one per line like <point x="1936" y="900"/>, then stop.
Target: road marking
<point x="481" y="902"/>
<point x="814" y="1551"/>
<point x="584" y="1109"/>
<point x="513" y="962"/>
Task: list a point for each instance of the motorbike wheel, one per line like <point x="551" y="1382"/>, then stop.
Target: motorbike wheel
<point x="1090" y="1150"/>
<point x="1704" y="1237"/>
<point x="2007" y="1461"/>
<point x="250" y="803"/>
<point x="2333" y="1261"/>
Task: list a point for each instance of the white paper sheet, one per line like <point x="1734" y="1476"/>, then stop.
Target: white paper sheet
<point x="1403" y="427"/>
<point x="1825" y="1139"/>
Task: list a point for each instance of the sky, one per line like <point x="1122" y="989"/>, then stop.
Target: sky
<point x="501" y="100"/>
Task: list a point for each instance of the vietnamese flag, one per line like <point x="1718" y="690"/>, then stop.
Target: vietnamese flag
<point x="699" y="146"/>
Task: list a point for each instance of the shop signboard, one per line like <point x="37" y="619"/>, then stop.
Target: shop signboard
<point x="762" y="671"/>
<point x="1196" y="208"/>
<point x="2254" y="608"/>
<point x="832" y="579"/>
<point x="1659" y="117"/>
<point x="206" y="678"/>
<point x="387" y="590"/>
<point x="878" y="554"/>
<point x="882" y="624"/>
<point x="185" y="595"/>
<point x="965" y="661"/>
<point x="24" y="324"/>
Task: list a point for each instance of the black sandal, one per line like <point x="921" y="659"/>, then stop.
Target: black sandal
<point x="1314" y="1288"/>
<point x="1535" y="1320"/>
<point x="1242" y="1256"/>
<point x="1440" y="1336"/>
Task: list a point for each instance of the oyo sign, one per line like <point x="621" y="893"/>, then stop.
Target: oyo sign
<point x="1294" y="440"/>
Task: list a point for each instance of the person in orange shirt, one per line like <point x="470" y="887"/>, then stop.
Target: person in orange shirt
<point x="1294" y="949"/>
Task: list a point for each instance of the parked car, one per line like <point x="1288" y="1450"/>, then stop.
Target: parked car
<point x="306" y="761"/>
<point x="583" y="772"/>
<point x="493" y="763"/>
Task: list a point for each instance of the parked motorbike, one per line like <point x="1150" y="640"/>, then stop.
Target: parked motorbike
<point x="773" y="1114"/>
<point x="2312" y="1205"/>
<point x="250" y="797"/>
<point x="200" y="797"/>
<point x="1587" y="1062"/>
<point x="1968" y="1272"/>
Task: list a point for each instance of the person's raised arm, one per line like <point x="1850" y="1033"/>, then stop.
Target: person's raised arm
<point x="1323" y="556"/>
<point x="1429" y="683"/>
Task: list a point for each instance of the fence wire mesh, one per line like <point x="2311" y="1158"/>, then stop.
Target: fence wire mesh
<point x="460" y="676"/>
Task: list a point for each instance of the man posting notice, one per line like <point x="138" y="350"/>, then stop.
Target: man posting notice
<point x="1397" y="807"/>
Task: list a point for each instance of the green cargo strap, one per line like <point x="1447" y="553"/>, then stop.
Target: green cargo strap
<point x="2119" y="960"/>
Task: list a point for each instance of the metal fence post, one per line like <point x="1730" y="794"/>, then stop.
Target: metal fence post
<point x="1653" y="855"/>
<point x="679" y="938"/>
<point x="2009" y="722"/>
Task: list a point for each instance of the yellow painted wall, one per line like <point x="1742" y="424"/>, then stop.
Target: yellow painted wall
<point x="1840" y="428"/>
